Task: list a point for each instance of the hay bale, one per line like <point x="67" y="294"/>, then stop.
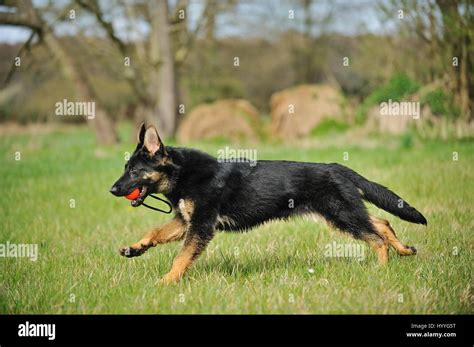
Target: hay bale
<point x="386" y="124"/>
<point x="230" y="118"/>
<point x="296" y="111"/>
<point x="399" y="124"/>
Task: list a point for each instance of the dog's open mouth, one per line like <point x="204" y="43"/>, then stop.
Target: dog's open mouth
<point x="143" y="194"/>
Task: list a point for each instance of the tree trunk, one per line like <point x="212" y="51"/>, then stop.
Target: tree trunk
<point x="465" y="81"/>
<point x="166" y="79"/>
<point x="101" y="124"/>
<point x="211" y="20"/>
<point x="456" y="38"/>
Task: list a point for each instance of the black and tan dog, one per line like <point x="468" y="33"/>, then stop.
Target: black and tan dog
<point x="210" y="195"/>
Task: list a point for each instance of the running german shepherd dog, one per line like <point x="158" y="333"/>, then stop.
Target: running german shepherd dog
<point x="209" y="195"/>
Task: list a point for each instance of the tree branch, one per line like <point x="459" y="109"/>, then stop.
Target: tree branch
<point x="93" y="7"/>
<point x="134" y="79"/>
<point x="183" y="51"/>
<point x="22" y="14"/>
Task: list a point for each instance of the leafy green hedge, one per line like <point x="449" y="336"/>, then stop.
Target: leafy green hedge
<point x="441" y="103"/>
<point x="399" y="86"/>
<point x="329" y="126"/>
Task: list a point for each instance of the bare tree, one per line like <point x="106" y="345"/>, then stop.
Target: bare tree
<point x="24" y="14"/>
<point x="445" y="28"/>
<point x="155" y="62"/>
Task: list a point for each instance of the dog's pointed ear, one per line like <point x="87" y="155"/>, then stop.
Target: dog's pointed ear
<point x="141" y="134"/>
<point x="152" y="142"/>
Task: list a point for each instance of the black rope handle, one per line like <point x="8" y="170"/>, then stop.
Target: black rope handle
<point x="157" y="209"/>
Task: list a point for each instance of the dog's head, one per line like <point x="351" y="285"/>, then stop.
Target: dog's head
<point x="148" y="169"/>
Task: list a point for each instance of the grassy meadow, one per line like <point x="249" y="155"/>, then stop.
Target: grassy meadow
<point x="280" y="267"/>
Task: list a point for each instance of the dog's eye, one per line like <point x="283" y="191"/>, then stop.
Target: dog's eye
<point x="133" y="170"/>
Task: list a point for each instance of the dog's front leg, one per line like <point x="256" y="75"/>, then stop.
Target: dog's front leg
<point x="174" y="230"/>
<point x="194" y="244"/>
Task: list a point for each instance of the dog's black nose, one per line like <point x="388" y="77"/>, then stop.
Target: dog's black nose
<point x="114" y="190"/>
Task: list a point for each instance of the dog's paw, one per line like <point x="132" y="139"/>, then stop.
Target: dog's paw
<point x="169" y="278"/>
<point x="412" y="250"/>
<point x="409" y="250"/>
<point x="130" y="252"/>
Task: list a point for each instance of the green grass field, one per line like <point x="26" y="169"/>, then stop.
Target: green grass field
<point x="280" y="267"/>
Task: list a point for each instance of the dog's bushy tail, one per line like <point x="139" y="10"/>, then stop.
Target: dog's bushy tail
<point x="382" y="197"/>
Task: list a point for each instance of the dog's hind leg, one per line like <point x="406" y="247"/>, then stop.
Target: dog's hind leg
<point x="174" y="230"/>
<point x="385" y="230"/>
<point x="343" y="208"/>
<point x="379" y="245"/>
<point x="356" y="223"/>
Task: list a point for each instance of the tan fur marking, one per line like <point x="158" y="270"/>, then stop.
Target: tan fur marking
<point x="183" y="261"/>
<point x="186" y="208"/>
<point x="385" y="230"/>
<point x="160" y="178"/>
<point x="165" y="160"/>
<point x="152" y="176"/>
<point x="174" y="230"/>
<point x="380" y="246"/>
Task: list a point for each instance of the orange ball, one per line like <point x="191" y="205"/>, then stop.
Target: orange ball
<point x="133" y="195"/>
